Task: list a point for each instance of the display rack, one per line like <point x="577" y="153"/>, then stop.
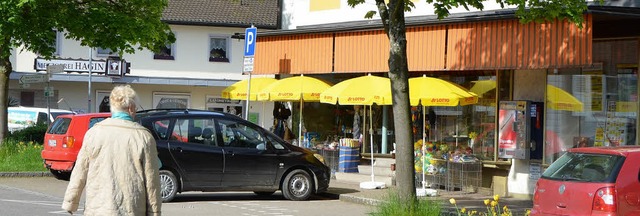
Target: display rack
<point x="464" y="176"/>
<point x="454" y="176"/>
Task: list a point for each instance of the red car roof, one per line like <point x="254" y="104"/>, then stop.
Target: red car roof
<point x="620" y="150"/>
<point x="102" y="114"/>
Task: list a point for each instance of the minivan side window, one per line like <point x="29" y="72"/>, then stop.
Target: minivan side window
<point x="195" y="130"/>
<point x="236" y="134"/>
<point x="161" y="128"/>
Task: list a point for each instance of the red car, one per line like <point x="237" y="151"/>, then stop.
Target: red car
<point x="591" y="181"/>
<point x="64" y="139"/>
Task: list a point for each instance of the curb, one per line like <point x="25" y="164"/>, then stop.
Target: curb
<point x="359" y="200"/>
<point x="25" y="174"/>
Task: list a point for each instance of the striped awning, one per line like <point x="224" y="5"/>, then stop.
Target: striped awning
<point x="486" y="45"/>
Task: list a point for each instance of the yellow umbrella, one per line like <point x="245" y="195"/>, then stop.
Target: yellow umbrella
<point x="559" y="99"/>
<point x="297" y="88"/>
<point x="238" y="90"/>
<point x="437" y="92"/>
<point x="364" y="90"/>
<point x="482" y="86"/>
<point x="430" y="91"/>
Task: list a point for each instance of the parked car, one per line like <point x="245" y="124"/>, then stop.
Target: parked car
<point x="203" y="151"/>
<point x="19" y="118"/>
<point x="591" y="181"/>
<point x="213" y="151"/>
<point x="64" y="139"/>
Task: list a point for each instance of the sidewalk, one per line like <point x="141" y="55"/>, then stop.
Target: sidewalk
<point x="350" y="191"/>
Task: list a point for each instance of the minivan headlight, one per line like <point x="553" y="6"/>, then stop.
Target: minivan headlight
<point x="319" y="157"/>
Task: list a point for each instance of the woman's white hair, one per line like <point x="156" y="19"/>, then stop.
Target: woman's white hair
<point x="122" y="97"/>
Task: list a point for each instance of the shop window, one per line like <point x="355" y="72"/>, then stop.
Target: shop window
<point x="166" y="52"/>
<point x="218" y="49"/>
<point x="597" y="105"/>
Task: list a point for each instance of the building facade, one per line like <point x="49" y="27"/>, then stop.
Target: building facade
<point x="190" y="73"/>
<point x="580" y="82"/>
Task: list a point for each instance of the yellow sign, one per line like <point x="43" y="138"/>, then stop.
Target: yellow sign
<point x="626" y="106"/>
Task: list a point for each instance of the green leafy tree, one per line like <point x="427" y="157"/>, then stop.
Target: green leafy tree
<point x="392" y="13"/>
<point x="123" y="26"/>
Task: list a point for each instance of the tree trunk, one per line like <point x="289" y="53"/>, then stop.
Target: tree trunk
<point x="5" y="71"/>
<point x="399" y="76"/>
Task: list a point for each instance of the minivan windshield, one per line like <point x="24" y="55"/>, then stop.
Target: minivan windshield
<point x="585" y="167"/>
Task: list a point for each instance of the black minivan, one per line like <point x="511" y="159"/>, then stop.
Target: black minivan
<point x="212" y="151"/>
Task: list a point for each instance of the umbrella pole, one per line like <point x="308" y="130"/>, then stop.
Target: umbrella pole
<point x="424" y="145"/>
<point x="300" y="138"/>
<point x="371" y="141"/>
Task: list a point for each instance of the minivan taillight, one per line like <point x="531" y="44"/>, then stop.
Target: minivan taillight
<point x="68" y="142"/>
<point x="605" y="200"/>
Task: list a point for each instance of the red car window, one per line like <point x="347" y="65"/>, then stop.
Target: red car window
<point x="585" y="167"/>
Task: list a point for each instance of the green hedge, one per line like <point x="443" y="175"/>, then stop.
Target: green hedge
<point x="33" y="133"/>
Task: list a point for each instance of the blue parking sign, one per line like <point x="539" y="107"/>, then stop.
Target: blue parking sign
<point x="250" y="35"/>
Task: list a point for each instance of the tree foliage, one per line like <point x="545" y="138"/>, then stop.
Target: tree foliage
<point x="391" y="13"/>
<point x="123" y="26"/>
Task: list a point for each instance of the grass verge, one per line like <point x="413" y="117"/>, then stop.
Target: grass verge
<point x="393" y="205"/>
<point x="19" y="156"/>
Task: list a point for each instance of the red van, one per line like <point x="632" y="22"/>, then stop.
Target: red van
<point x="64" y="139"/>
<point x="591" y="181"/>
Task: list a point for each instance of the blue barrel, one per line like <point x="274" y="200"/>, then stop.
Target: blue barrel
<point x="349" y="159"/>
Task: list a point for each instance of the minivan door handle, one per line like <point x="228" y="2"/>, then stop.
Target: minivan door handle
<point x="562" y="205"/>
<point x="177" y="149"/>
<point x="230" y="153"/>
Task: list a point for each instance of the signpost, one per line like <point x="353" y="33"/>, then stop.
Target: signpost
<point x="36" y="78"/>
<point x="250" y="36"/>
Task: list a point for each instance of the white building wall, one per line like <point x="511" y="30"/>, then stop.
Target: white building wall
<point x="191" y="52"/>
<point x="191" y="56"/>
<point x="298" y="13"/>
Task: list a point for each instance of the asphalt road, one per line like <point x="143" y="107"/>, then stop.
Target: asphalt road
<point x="43" y="196"/>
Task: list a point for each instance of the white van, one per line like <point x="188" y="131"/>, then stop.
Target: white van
<point x="22" y="117"/>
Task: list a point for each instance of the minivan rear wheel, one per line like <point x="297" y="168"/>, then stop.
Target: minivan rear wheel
<point x="61" y="175"/>
<point x="168" y="185"/>
<point x="297" y="185"/>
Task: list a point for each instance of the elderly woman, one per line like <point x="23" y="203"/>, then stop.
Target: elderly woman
<point x="117" y="164"/>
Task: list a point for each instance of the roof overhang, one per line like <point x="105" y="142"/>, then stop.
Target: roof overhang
<point x="99" y="78"/>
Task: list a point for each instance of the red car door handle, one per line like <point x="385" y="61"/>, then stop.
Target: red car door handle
<point x="562" y="205"/>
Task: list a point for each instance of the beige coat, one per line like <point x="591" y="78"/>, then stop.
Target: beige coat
<point x="118" y="165"/>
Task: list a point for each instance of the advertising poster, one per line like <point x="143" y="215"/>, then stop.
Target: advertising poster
<point x="507" y="136"/>
<point x="513" y="122"/>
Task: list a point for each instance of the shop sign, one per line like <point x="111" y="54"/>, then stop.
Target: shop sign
<point x="72" y="65"/>
<point x="113" y="67"/>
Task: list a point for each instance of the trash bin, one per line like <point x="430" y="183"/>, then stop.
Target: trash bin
<point x="349" y="159"/>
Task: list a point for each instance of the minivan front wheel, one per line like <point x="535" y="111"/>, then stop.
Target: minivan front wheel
<point x="168" y="185"/>
<point x="297" y="186"/>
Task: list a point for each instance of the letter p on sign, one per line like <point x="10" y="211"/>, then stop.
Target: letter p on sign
<point x="250" y="35"/>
